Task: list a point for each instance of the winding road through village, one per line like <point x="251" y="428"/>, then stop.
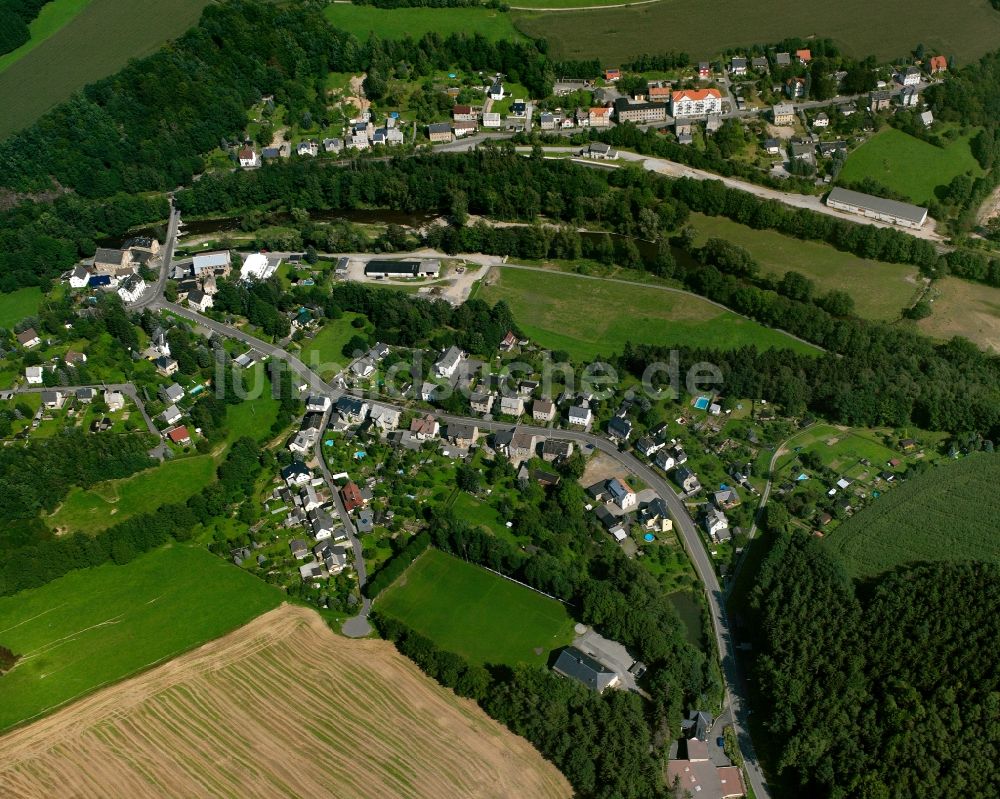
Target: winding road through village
<point x="735" y="688"/>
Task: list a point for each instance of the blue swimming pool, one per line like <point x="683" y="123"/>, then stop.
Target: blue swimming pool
<point x="701" y="403"/>
<point x="649" y="537"/>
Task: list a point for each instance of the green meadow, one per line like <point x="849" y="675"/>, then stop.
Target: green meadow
<point x="483" y="617"/>
<point x="909" y="166"/>
<point x="96" y="626"/>
<point x="591" y="317"/>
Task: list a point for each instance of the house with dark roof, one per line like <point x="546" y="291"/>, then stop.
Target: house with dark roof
<point x="583" y="668"/>
<point x="296" y="474"/>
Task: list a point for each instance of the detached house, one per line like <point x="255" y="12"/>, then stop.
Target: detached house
<point x="448" y="363"/>
<point x="248" y="158"/>
<point x="439" y="132"/>
<point x="33" y="374"/>
<point x="622" y="494"/>
<point x="28" y="338"/>
<point x="717" y="525"/>
<point x="687" y="480"/>
<point x="511" y="406"/>
<point x="462" y="435"/>
<point x="543" y="410"/>
<point x="481" y="401"/>
<point x="350" y="495"/>
<point x="580" y="415"/>
<point x="599" y="117"/>
<point x="938" y="63"/>
<point x="425" y="429"/>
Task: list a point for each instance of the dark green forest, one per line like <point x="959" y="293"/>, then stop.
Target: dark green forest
<point x="885" y="690"/>
<point x="15" y="16"/>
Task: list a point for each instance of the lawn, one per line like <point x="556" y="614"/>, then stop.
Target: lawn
<point x="946" y="513"/>
<point x="51" y="18"/>
<point x="98" y="41"/>
<point x="968" y="29"/>
<point x="324" y="351"/>
<point x="114" y="501"/>
<point x="880" y="290"/>
<point x="587" y="318"/>
<point x="19" y="304"/>
<point x="478" y="614"/>
<point x="97" y="626"/>
<point x="964" y="309"/>
<point x="253" y="417"/>
<point x="907" y="165"/>
<point x="397" y="23"/>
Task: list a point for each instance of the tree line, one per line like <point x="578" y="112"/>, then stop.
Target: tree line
<point x="15" y="17"/>
<point x="863" y="686"/>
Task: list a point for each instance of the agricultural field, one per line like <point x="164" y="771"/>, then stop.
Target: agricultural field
<point x="591" y="317"/>
<point x="70" y="57"/>
<point x="968" y="30"/>
<point x="96" y="626"/>
<point x="283" y="707"/>
<point x="908" y="165"/>
<point x="113" y="501"/>
<point x="946" y="513"/>
<point x="478" y="614"/>
<point x="963" y="308"/>
<point x="397" y="23"/>
<point x="18" y="305"/>
<point x="880" y="290"/>
<point x="53" y="16"/>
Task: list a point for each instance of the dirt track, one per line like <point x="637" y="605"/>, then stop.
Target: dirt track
<point x="282" y="707"/>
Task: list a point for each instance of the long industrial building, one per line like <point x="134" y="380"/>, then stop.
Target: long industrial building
<point x="892" y="211"/>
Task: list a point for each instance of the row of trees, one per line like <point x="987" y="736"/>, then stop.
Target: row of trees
<point x="862" y="690"/>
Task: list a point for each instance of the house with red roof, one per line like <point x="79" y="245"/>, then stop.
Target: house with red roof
<point x="938" y="63"/>
<point x="695" y="103"/>
<point x="612" y="74"/>
<point x="804" y="56"/>
<point x="350" y="495"/>
<point x="179" y="435"/>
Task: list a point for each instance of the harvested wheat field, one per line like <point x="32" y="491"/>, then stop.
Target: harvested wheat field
<point x="281" y="707"/>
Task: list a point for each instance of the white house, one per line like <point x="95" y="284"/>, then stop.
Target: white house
<point x="258" y="266"/>
<point x="664" y="460"/>
<point x="448" y="363"/>
<point x="131" y="288"/>
<point x="512" y="406"/>
<point x="316" y="403"/>
<point x="716" y="524"/>
<point x="384" y="417"/>
<point x="33" y="374"/>
<point x="491" y="120"/>
<point x="695" y="103"/>
<point x="308" y="148"/>
<point x="425" y="429"/>
<point x="79" y="278"/>
<point x="496" y="90"/>
<point x="622" y="494"/>
<point x="115" y="400"/>
<point x="199" y="300"/>
<point x="171" y="415"/>
<point x="580" y="415"/>
<point x="248" y="158"/>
